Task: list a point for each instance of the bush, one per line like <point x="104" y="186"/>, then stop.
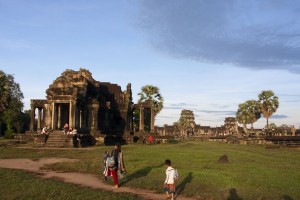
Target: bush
<point x="8" y="134"/>
<point x="173" y="141"/>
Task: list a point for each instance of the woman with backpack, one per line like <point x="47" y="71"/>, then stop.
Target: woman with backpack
<point x="116" y="164"/>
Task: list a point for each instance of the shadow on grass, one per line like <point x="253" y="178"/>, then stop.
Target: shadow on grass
<point x="180" y="188"/>
<point x="233" y="195"/>
<point x="287" y="197"/>
<point x="139" y="173"/>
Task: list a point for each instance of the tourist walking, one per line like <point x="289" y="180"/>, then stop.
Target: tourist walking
<point x="117" y="154"/>
<point x="169" y="184"/>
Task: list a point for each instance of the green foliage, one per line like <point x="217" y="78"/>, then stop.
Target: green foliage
<point x="8" y="133"/>
<point x="4" y="91"/>
<point x="269" y="104"/>
<point x="24" y="185"/>
<point x="151" y="94"/>
<point x="248" y="113"/>
<point x="11" y="104"/>
<point x="173" y="141"/>
<point x="273" y="126"/>
<point x="22" y="124"/>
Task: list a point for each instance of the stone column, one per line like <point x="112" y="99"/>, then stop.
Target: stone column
<point x="72" y="114"/>
<point x="130" y="119"/>
<point x="107" y="116"/>
<point x="77" y="117"/>
<point x="84" y="118"/>
<point x="53" y="113"/>
<point x="59" y="116"/>
<point x="91" y="117"/>
<point x="48" y="115"/>
<point x="39" y="119"/>
<point x="152" y="120"/>
<point x="32" y="116"/>
<point x="54" y="116"/>
<point x="141" y="127"/>
<point x="95" y="116"/>
<point x="80" y="118"/>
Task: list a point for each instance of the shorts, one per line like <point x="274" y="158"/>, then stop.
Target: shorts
<point x="170" y="188"/>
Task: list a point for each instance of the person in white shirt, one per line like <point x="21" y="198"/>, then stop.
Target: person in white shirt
<point x="46" y="133"/>
<point x="169" y="185"/>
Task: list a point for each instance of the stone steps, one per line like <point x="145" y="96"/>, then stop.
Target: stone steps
<point x="58" y="139"/>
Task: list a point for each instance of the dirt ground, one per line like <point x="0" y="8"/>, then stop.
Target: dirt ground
<point x="89" y="180"/>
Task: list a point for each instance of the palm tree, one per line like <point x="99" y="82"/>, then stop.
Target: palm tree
<point x="248" y="113"/>
<point x="268" y="104"/>
<point x="151" y="93"/>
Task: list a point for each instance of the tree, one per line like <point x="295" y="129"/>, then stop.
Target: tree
<point x="4" y="91"/>
<point x="268" y="103"/>
<point x="151" y="93"/>
<point x="248" y="113"/>
<point x="11" y="104"/>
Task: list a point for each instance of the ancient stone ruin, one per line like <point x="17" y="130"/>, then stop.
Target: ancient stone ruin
<point x="88" y="105"/>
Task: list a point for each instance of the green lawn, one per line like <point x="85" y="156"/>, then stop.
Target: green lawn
<point x="253" y="172"/>
<point x="16" y="184"/>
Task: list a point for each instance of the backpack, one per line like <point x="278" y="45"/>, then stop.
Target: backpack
<point x="176" y="175"/>
<point x="110" y="161"/>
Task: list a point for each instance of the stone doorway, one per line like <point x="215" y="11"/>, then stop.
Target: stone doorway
<point x="64" y="115"/>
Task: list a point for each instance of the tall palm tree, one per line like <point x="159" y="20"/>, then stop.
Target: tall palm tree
<point x="269" y="104"/>
<point x="248" y="113"/>
<point x="151" y="93"/>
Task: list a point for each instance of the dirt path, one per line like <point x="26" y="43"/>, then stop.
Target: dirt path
<point x="88" y="180"/>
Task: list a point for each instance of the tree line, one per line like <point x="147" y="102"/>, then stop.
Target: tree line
<point x="251" y="110"/>
<point x="12" y="117"/>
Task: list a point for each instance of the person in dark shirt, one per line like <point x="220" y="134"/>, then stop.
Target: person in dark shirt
<point x="114" y="169"/>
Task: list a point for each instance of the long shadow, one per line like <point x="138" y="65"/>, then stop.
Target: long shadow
<point x="139" y="173"/>
<point x="180" y="188"/>
<point x="233" y="195"/>
<point x="287" y="197"/>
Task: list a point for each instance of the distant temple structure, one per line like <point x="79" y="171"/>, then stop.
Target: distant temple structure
<point x="88" y="105"/>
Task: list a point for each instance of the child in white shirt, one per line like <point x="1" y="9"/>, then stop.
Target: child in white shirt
<point x="169" y="181"/>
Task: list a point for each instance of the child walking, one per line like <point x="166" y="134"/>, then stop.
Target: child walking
<point x="169" y="184"/>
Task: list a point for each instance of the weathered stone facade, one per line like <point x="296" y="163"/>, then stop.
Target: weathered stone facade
<point x="145" y="108"/>
<point x="88" y="105"/>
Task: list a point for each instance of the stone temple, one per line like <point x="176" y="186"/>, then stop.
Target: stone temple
<point x="88" y="105"/>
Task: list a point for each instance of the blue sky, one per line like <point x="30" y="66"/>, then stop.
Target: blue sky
<point x="206" y="56"/>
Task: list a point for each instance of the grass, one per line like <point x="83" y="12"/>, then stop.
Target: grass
<point x="253" y="172"/>
<point x="17" y="184"/>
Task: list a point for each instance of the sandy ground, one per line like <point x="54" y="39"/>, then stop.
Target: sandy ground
<point x="89" y="180"/>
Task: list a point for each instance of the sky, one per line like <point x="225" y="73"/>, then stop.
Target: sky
<point x="205" y="56"/>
